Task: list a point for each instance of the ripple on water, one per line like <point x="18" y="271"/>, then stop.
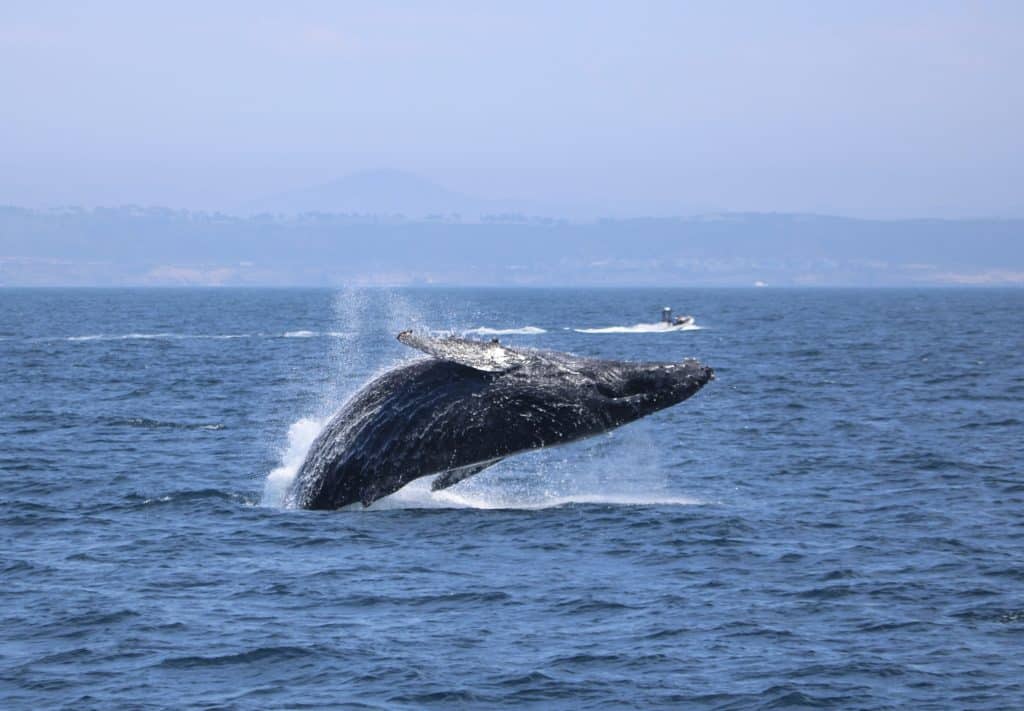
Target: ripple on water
<point x="844" y="533"/>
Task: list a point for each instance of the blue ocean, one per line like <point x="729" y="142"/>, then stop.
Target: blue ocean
<point x="836" y="521"/>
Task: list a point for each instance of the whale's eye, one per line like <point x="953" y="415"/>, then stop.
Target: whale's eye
<point x="606" y="390"/>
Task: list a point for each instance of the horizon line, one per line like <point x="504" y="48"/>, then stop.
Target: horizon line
<point x="497" y="217"/>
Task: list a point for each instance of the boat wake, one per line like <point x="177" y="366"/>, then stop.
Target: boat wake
<point x="660" y="327"/>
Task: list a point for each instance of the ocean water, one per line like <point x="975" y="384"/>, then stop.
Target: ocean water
<point x="836" y="521"/>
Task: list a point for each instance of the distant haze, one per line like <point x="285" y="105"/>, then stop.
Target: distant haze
<point x="390" y="192"/>
<point x="866" y="109"/>
<point x="160" y="247"/>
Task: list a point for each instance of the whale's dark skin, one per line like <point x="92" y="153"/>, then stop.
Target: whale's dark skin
<point x="469" y="405"/>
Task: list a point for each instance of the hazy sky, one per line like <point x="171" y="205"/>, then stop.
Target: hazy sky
<point x="862" y="108"/>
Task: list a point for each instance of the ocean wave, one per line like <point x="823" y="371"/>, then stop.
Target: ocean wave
<point x="257" y="654"/>
<point x="179" y="497"/>
<point x="147" y="423"/>
<point x="641" y="328"/>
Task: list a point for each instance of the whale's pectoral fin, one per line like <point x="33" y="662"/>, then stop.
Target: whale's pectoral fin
<point x="454" y="476"/>
<point x="490" y="357"/>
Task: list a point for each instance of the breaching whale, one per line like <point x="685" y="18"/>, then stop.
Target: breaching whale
<point x="469" y="405"/>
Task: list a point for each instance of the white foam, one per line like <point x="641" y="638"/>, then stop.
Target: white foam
<point x="315" y="334"/>
<point x="616" y="469"/>
<point x="524" y="331"/>
<point x="300" y="436"/>
<point x="125" y="337"/>
<point x="642" y="328"/>
<point x="353" y="312"/>
<point x="155" y="336"/>
<point x="418" y="495"/>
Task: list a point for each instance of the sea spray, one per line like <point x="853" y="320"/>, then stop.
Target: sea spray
<point x="300" y="436"/>
<point x="365" y="322"/>
<point x="623" y="468"/>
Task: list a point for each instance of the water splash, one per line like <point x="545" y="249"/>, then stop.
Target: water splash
<point x="621" y="468"/>
<point x="365" y="323"/>
<point x="300" y="436"/>
<point x="418" y="495"/>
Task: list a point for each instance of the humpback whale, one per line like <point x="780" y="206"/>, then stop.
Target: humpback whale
<point x="469" y="405"/>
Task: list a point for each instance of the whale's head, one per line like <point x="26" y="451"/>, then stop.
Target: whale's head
<point x="638" y="389"/>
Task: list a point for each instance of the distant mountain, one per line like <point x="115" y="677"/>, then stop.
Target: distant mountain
<point x="377" y="192"/>
<point x="153" y="246"/>
<point x="391" y="192"/>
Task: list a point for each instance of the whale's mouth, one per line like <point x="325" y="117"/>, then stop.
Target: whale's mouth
<point x="694" y="370"/>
